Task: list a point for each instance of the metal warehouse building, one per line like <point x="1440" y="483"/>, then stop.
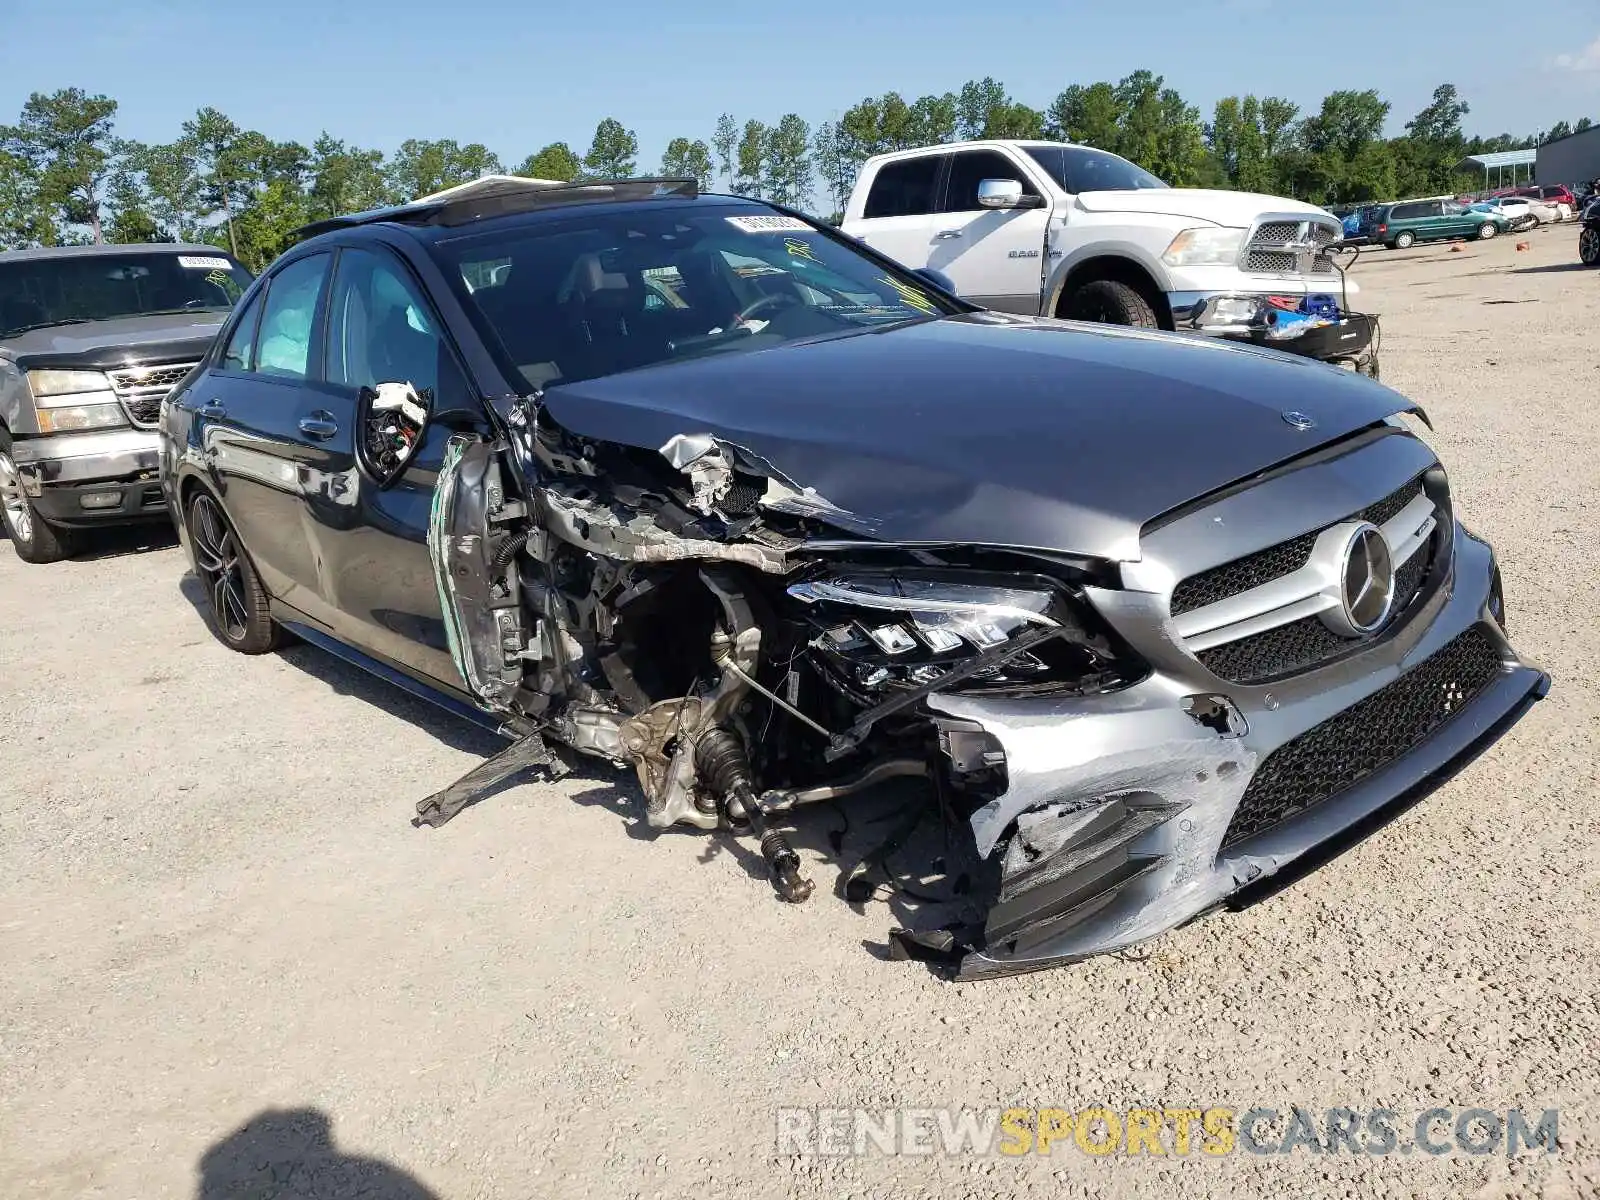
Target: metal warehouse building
<point x="1572" y="159"/>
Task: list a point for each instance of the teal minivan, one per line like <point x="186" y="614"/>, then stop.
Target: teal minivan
<point x="1410" y="221"/>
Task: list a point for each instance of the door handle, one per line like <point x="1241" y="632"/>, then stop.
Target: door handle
<point x="946" y="234"/>
<point x="213" y="408"/>
<point x="319" y="425"/>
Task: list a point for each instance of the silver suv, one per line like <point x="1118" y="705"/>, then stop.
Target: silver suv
<point x="92" y="338"/>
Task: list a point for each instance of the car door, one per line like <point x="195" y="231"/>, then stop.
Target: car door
<point x="1434" y="223"/>
<point x="994" y="256"/>
<point x="898" y="217"/>
<point x="384" y="335"/>
<point x="260" y="428"/>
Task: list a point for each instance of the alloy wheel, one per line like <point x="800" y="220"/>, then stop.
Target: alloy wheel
<point x="216" y="555"/>
<point x="19" y="516"/>
<point x="1589" y="247"/>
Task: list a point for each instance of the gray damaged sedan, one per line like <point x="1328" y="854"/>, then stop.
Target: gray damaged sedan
<point x="1140" y="626"/>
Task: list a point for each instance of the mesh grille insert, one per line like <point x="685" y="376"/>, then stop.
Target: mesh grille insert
<point x="1369" y="735"/>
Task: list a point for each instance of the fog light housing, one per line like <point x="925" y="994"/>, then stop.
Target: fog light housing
<point x="100" y="500"/>
<point x="1231" y="310"/>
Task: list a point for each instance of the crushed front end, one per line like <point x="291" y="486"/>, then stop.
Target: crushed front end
<point x="1117" y="747"/>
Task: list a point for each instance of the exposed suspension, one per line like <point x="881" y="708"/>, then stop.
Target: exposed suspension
<point x="724" y="769"/>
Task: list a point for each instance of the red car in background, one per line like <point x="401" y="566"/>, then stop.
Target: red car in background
<point x="1550" y="193"/>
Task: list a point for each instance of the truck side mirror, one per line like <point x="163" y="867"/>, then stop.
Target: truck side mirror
<point x="1004" y="193"/>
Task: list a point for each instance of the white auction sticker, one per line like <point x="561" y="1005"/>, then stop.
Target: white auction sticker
<point x="203" y="262"/>
<point x="769" y="224"/>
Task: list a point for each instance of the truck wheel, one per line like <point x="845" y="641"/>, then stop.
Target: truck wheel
<point x="1111" y="303"/>
<point x="1404" y="241"/>
<point x="34" y="540"/>
<point x="1487" y="231"/>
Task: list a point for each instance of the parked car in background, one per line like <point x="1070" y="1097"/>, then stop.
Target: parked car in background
<point x="1589" y="235"/>
<point x="91" y="340"/>
<point x="704" y="487"/>
<point x="1043" y="228"/>
<point x="1403" y="224"/>
<point x="1558" y="196"/>
<point x="1520" y="211"/>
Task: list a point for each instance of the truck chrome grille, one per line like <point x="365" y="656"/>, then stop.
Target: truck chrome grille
<point x="1334" y="756"/>
<point x="141" y="389"/>
<point x="1281" y="246"/>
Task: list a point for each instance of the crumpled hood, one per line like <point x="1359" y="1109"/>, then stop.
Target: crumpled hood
<point x="1028" y="433"/>
<point x="117" y="342"/>
<point x="1205" y="204"/>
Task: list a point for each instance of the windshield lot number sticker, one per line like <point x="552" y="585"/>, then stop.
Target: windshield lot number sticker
<point x="769" y="224"/>
<point x="199" y="262"/>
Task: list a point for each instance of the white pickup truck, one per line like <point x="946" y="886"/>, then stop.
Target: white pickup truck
<point x="1043" y="228"/>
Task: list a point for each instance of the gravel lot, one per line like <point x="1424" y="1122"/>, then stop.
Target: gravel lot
<point x="220" y="937"/>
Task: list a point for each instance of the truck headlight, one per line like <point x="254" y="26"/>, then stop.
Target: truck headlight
<point x="1206" y="246"/>
<point x="877" y="630"/>
<point x="73" y="401"/>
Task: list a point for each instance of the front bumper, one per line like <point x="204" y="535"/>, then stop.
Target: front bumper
<point x="1129" y="801"/>
<point x="92" y="478"/>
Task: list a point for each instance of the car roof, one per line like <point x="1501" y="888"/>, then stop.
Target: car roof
<point x="106" y="249"/>
<point x="494" y="222"/>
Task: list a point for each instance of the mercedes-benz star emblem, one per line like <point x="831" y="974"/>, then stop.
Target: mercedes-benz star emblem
<point x="1299" y="420"/>
<point x="1368" y="580"/>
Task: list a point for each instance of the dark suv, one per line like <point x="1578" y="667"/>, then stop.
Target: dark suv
<point x="697" y="485"/>
<point x="91" y="340"/>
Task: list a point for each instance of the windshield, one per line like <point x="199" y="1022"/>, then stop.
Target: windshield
<point x="99" y="287"/>
<point x="1079" y="169"/>
<point x="615" y="289"/>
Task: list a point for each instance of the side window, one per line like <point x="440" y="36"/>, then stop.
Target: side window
<point x="288" y="319"/>
<point x="1405" y="212"/>
<point x="380" y="329"/>
<point x="1432" y="209"/>
<point x="240" y="346"/>
<point x="905" y="188"/>
<point x="972" y="167"/>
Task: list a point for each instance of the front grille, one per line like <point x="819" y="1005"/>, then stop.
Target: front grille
<point x="1253" y="570"/>
<point x="142" y="389"/>
<point x="1242" y="574"/>
<point x="1369" y="735"/>
<point x="1300" y="645"/>
<point x="1266" y="253"/>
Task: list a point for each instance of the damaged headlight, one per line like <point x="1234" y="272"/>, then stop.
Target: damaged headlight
<point x="908" y="629"/>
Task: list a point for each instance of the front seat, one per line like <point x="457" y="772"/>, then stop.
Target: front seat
<point x="603" y="308"/>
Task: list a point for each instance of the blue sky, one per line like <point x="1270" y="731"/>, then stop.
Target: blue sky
<point x="519" y="76"/>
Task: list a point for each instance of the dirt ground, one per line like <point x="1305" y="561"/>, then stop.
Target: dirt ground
<point x="226" y="958"/>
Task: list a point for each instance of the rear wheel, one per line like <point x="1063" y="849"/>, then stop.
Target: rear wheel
<point x="1404" y="241"/>
<point x="33" y="538"/>
<point x="1111" y="303"/>
<point x="1487" y="230"/>
<point x="1589" y="246"/>
<point x="236" y="599"/>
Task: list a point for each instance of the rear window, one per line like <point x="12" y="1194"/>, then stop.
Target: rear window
<point x="100" y="287"/>
<point x="904" y="188"/>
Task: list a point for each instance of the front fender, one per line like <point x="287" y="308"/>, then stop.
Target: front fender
<point x="1113" y="247"/>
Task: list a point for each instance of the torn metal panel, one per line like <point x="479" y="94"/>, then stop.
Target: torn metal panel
<point x="578" y="516"/>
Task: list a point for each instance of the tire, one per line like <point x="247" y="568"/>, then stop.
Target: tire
<point x="1486" y="231"/>
<point x="34" y="539"/>
<point x="236" y="602"/>
<point x="1111" y="303"/>
<point x="1589" y="246"/>
<point x="1404" y="241"/>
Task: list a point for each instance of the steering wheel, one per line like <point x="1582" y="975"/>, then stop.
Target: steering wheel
<point x="776" y="300"/>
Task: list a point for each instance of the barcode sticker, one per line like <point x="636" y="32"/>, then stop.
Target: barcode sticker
<point x="203" y="262"/>
<point x="769" y="224"/>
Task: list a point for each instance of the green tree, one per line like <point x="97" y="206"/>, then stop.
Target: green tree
<point x="131" y="219"/>
<point x="224" y="160"/>
<point x="788" y="161"/>
<point x="613" y="153"/>
<point x="344" y="179"/>
<point x="834" y="167"/>
<point x="421" y="167"/>
<point x="1087" y="115"/>
<point x="751" y="175"/>
<point x="685" y="159"/>
<point x="171" y="188"/>
<point x="725" y="141"/>
<point x="266" y="227"/>
<point x="556" y="161"/>
<point x="66" y="138"/>
<point x="24" y="219"/>
<point x="983" y="109"/>
<point x="934" y="119"/>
